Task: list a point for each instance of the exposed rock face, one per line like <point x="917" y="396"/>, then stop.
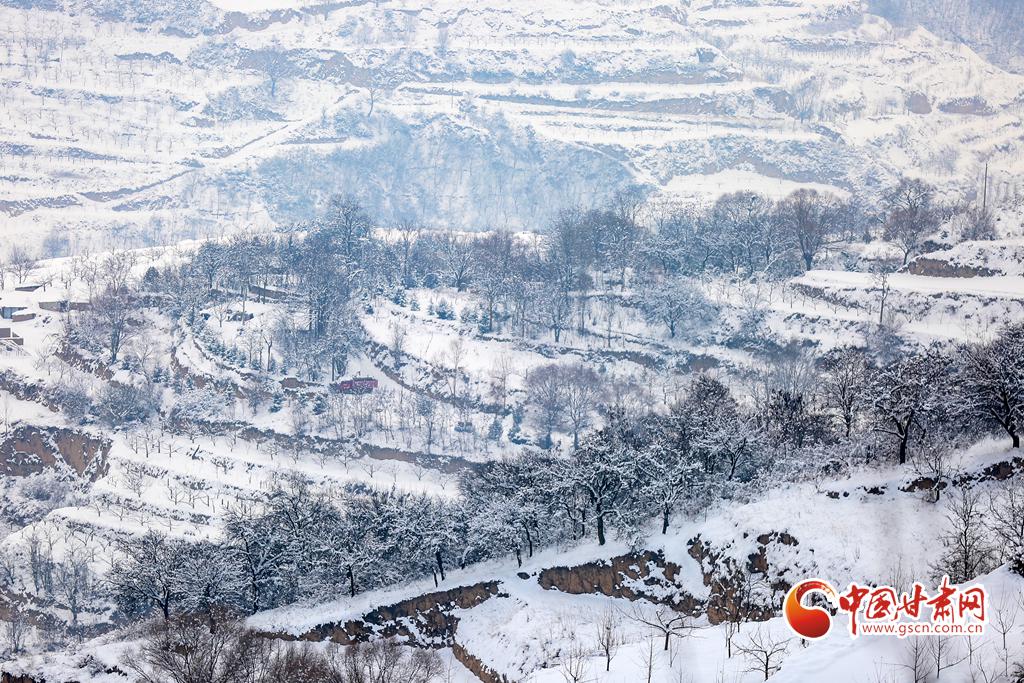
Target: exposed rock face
<point x="13" y="678"/>
<point x="425" y="620"/>
<point x="646" y="575"/>
<point x="29" y="450"/>
<point x="649" y="576"/>
<point x="730" y="585"/>
<point x="934" y="267"/>
<point x="478" y="668"/>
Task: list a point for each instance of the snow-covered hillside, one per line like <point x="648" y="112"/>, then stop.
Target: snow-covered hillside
<point x="147" y="122"/>
<point x="508" y="341"/>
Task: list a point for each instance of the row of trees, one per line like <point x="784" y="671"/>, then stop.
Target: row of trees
<point x="527" y="285"/>
<point x="802" y="419"/>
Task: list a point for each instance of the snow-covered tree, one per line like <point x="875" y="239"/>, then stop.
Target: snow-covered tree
<point x="678" y="301"/>
<point x="912" y="215"/>
<point x="903" y="397"/>
<point x="990" y="379"/>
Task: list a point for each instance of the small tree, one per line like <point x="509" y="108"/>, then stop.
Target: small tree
<point x="812" y="219"/>
<point x="21" y="263"/>
<point x="665" y="622"/>
<point x="967" y="549"/>
<point x="16" y="630"/>
<point x="911" y="215"/>
<point x="990" y="379"/>
<point x="547" y="392"/>
<point x="916" y="660"/>
<point x="677" y="301"/>
<point x="608" y="637"/>
<point x="72" y="581"/>
<point x="764" y="652"/>
<point x="902" y="396"/>
<point x="573" y="664"/>
<point x="581" y="389"/>
<point x="1005" y="521"/>
<point x="110" y="319"/>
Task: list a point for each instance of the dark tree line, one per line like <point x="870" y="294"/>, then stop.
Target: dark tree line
<point x="532" y="285"/>
<point x="304" y="544"/>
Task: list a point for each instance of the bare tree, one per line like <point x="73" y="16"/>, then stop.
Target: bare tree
<point x="398" y="337"/>
<point x="990" y="377"/>
<point x="608" y="637"/>
<point x="812" y="218"/>
<point x="111" y="318"/>
<point x="916" y="660"/>
<point x="883" y="288"/>
<point x="1004" y="618"/>
<point x="501" y="370"/>
<point x="457" y="257"/>
<point x="16" y="630"/>
<point x="664" y="621"/>
<point x="455" y="355"/>
<point x="648" y="659"/>
<point x="547" y="393"/>
<point x="911" y="215"/>
<point x="134" y="479"/>
<point x="763" y="651"/>
<point x="21" y="263"/>
<point x="573" y="664"/>
<point x="842" y="385"/>
<point x="581" y="388"/>
<point x="967" y="549"/>
<point x="72" y="582"/>
<point x="944" y="655"/>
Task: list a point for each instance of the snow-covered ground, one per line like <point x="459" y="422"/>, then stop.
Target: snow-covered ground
<point x="141" y="124"/>
<point x="140" y="130"/>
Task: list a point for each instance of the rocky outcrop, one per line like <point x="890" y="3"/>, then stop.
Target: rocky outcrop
<point x="425" y="620"/>
<point x="649" y="576"/>
<point x="731" y="592"/>
<point x="934" y="267"/>
<point x="477" y="667"/>
<point x="29" y="450"/>
<point x="646" y="575"/>
<point x="19" y="678"/>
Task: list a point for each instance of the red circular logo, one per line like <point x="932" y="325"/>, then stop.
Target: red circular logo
<point x="809" y="622"/>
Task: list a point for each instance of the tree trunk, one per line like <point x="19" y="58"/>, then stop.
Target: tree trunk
<point x="351" y="582"/>
<point x="440" y="563"/>
<point x="664" y="519"/>
<point x="600" y="528"/>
